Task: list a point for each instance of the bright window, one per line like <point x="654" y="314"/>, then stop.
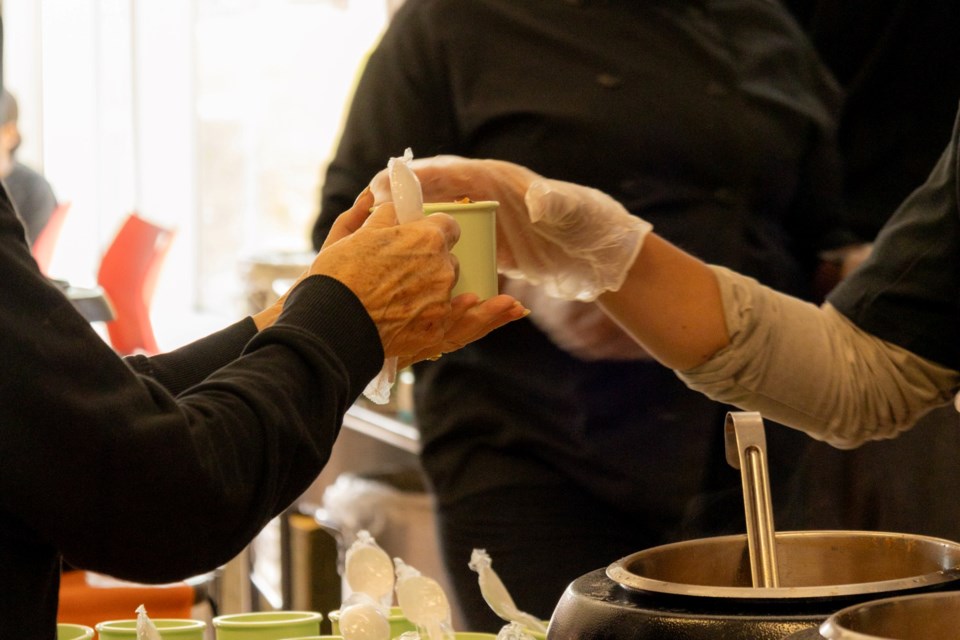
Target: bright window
<point x="216" y="117"/>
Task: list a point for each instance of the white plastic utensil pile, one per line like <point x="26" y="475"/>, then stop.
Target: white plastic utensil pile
<point x="373" y="579"/>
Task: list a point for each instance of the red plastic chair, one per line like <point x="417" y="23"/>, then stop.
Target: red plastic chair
<point x="45" y="243"/>
<point x="128" y="274"/>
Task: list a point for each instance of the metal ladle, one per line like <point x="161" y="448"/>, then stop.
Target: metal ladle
<point x="746" y="449"/>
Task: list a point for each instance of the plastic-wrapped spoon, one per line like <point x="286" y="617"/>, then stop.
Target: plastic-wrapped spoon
<point x="408" y="205"/>
<point x="368" y="569"/>
<point x="362" y="619"/>
<point x="495" y="593"/>
<point x="423" y="603"/>
<point x="405" y="188"/>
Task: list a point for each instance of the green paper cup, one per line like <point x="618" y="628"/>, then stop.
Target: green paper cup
<point x="398" y="623"/>
<point x="67" y="631"/>
<point x="169" y="628"/>
<point x="477" y="248"/>
<point x="267" y="625"/>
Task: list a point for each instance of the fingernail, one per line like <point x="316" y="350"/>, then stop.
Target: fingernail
<point x="366" y="191"/>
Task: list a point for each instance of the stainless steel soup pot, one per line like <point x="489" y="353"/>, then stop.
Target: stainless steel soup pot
<point x="702" y="589"/>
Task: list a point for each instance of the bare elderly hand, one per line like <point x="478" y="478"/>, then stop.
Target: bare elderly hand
<point x="403" y="275"/>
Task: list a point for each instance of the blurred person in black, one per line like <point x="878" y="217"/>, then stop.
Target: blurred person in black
<point x="899" y="106"/>
<point x="557" y="444"/>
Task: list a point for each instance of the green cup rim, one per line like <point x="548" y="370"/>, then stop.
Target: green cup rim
<point x="125" y="624"/>
<point x="237" y="621"/>
<point x="73" y="626"/>
<point x="433" y="207"/>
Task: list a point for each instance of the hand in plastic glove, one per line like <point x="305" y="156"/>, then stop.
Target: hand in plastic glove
<point x="575" y="241"/>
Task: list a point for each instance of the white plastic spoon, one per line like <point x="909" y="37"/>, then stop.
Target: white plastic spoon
<point x="495" y="593"/>
<point x="362" y="619"/>
<point x="423" y="603"/>
<point x="368" y="569"/>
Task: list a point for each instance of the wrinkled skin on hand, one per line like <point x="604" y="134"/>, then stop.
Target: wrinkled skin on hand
<point x="403" y="275"/>
<point x="447" y="178"/>
<point x="416" y="319"/>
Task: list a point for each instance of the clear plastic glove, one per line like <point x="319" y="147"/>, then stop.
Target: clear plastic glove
<point x="575" y="241"/>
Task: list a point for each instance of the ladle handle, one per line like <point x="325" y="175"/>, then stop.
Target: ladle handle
<point x="746" y="449"/>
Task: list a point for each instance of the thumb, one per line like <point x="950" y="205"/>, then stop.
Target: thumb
<point x="383" y="215"/>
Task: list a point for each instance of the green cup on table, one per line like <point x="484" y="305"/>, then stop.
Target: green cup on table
<point x="267" y="625"/>
<point x="169" y="628"/>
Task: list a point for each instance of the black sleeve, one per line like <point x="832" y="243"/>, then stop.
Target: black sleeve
<point x="182" y="368"/>
<point x="908" y="290"/>
<point x="401" y="101"/>
<point x="124" y="478"/>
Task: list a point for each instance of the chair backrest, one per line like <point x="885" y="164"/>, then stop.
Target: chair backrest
<point x="128" y="274"/>
<point x="45" y="243"/>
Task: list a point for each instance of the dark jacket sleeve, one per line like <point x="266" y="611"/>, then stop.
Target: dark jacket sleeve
<point x="125" y="478"/>
<point x="182" y="368"/>
<point x="401" y="101"/>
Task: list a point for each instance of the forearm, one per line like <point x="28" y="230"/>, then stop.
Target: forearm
<point x="681" y="331"/>
<point x="182" y="368"/>
<point x="811" y="368"/>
